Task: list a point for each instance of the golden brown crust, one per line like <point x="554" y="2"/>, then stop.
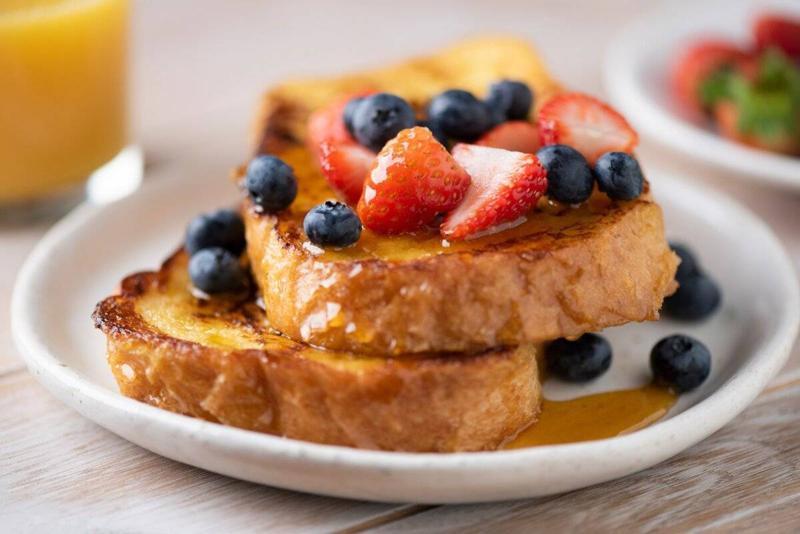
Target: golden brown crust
<point x="608" y="273"/>
<point x="471" y="64"/>
<point x="268" y="383"/>
<point x="557" y="275"/>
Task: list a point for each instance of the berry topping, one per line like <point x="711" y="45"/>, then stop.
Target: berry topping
<point x="510" y="100"/>
<point x="270" y="183"/>
<point x="460" y="115"/>
<point x="215" y="270"/>
<point x="680" y="362"/>
<point x="696" y="64"/>
<point x="697" y="297"/>
<point x="332" y="224"/>
<point x="413" y="180"/>
<point x="223" y="228"/>
<point x="619" y="176"/>
<point x="328" y="124"/>
<point x="435" y="130"/>
<point x="349" y="112"/>
<point x="343" y="162"/>
<point x="505" y="186"/>
<point x="379" y="118"/>
<point x="580" y="360"/>
<point x="569" y="178"/>
<point x="688" y="266"/>
<point x="519" y="136"/>
<point x="585" y="123"/>
<point x="345" y="167"/>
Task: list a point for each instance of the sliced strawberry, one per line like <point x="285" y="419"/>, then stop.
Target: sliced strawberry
<point x="327" y="125"/>
<point x="519" y="136"/>
<point x="505" y="186"/>
<point x="412" y="181"/>
<point x="343" y="162"/>
<point x="696" y="64"/>
<point x="585" y="123"/>
<point x="345" y="166"/>
<point x="772" y="29"/>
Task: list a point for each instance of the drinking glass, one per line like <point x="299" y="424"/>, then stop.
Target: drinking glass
<point x="63" y="105"/>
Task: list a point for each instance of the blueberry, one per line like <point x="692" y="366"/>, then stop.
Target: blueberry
<point x="460" y="115"/>
<point x="437" y="132"/>
<point x="689" y="266"/>
<point x="569" y="178"/>
<point x="332" y="223"/>
<point x="510" y="100"/>
<point x="271" y="183"/>
<point x="223" y="228"/>
<point x="378" y="118"/>
<point x="680" y="362"/>
<point x="349" y="112"/>
<point x="697" y="297"/>
<point x="580" y="360"/>
<point x="215" y="270"/>
<point x="619" y="175"/>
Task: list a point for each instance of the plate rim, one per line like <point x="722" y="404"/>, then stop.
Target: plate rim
<point x="622" y="85"/>
<point x="719" y="408"/>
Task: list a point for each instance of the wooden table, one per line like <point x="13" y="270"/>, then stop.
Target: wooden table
<point x="198" y="69"/>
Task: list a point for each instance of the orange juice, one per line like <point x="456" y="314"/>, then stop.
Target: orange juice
<point x="62" y="93"/>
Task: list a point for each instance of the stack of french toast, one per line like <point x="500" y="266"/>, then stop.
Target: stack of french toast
<point x="396" y="294"/>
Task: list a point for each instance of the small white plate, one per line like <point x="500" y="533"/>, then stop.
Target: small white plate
<point x="636" y="73"/>
<point x="83" y="258"/>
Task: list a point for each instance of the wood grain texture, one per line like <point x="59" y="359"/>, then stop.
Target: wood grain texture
<point x="745" y="477"/>
<point x="57" y="468"/>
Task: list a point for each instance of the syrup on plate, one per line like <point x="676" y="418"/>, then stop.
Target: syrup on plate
<point x="603" y="415"/>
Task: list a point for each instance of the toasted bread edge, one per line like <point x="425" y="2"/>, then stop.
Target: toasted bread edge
<point x="439" y="403"/>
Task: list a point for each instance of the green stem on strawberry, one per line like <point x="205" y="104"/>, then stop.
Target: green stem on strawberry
<point x="760" y="108"/>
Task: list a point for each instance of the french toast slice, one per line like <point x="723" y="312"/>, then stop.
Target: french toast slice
<point x="219" y="360"/>
<point x="559" y="274"/>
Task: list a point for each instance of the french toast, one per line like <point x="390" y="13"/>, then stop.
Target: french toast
<point x="558" y="274"/>
<point x="218" y="359"/>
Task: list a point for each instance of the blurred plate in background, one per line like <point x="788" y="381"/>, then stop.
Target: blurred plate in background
<point x="636" y="73"/>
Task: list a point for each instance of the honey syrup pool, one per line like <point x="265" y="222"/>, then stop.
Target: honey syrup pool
<point x="598" y="416"/>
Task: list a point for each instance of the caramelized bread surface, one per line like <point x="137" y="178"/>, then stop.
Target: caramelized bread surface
<point x="219" y="360"/>
<point x="561" y="273"/>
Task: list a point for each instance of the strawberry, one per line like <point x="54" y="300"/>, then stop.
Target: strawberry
<point x="345" y="167"/>
<point x="585" y="123"/>
<point x="327" y="124"/>
<point x="778" y="31"/>
<point x="696" y="64"/>
<point x="727" y="115"/>
<point x="412" y="181"/>
<point x="343" y="162"/>
<point x="519" y="136"/>
<point x="505" y="186"/>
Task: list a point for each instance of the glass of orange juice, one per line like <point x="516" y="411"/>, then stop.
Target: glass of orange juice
<point x="63" y="99"/>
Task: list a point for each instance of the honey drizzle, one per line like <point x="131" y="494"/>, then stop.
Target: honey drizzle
<point x="542" y="229"/>
<point x="598" y="416"/>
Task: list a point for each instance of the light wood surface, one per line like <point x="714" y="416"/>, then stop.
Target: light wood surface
<point x="198" y="69"/>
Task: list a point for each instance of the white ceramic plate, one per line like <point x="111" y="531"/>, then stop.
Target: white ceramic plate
<point x="82" y="259"/>
<point x="636" y="78"/>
